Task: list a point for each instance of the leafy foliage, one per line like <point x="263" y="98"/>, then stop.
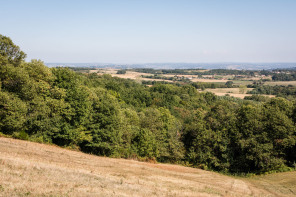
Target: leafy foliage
<point x="281" y="91"/>
<point x="10" y="52"/>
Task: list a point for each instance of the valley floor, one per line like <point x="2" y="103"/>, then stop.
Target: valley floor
<point x="32" y="169"/>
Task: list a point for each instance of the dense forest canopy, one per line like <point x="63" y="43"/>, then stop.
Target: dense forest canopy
<point x="115" y="117"/>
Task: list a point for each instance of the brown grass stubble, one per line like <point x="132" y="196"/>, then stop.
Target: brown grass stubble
<point x="32" y="169"/>
<point x="233" y="92"/>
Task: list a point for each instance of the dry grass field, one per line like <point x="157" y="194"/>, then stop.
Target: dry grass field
<point x="279" y="184"/>
<point x="242" y="82"/>
<point x="210" y="80"/>
<point x="128" y="75"/>
<point x="32" y="169"/>
<point x="235" y="92"/>
<point x="284" y="83"/>
<point x="228" y="90"/>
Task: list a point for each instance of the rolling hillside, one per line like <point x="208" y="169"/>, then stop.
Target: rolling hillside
<point x="32" y="169"/>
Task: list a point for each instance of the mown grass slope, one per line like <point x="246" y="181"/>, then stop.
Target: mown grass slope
<point x="32" y="169"/>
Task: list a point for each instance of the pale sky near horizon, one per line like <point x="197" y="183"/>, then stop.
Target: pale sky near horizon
<point x="130" y="31"/>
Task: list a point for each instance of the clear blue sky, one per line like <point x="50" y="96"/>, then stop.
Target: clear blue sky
<point x="142" y="31"/>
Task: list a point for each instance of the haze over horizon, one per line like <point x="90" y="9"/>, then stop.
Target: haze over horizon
<point x="129" y="31"/>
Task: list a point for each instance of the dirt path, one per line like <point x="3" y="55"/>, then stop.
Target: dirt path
<point x="32" y="169"/>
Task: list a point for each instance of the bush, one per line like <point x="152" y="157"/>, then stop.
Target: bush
<point x="22" y="135"/>
<point x="121" y="72"/>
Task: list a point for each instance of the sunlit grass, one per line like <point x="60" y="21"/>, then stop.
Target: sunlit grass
<point x="32" y="169"/>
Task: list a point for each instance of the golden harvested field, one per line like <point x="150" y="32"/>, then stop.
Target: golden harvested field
<point x="32" y="169"/>
<point x="223" y="81"/>
<point x="201" y="71"/>
<point x="228" y="90"/>
<point x="235" y="92"/>
<point x="210" y="80"/>
<point x="241" y="82"/>
<point x="284" y="83"/>
<point x="127" y="75"/>
<point x="242" y="96"/>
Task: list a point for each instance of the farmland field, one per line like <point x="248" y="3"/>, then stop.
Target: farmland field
<point x="235" y="92"/>
<point x="284" y="83"/>
<point x="128" y="75"/>
<point x="241" y="82"/>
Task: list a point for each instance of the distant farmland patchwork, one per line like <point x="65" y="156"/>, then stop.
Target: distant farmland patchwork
<point x="235" y="92"/>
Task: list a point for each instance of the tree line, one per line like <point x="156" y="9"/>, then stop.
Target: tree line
<point x="201" y="72"/>
<point x="288" y="92"/>
<point x="284" y="76"/>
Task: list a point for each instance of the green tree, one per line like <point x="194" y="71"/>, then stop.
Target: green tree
<point x="10" y="51"/>
<point x="229" y="84"/>
<point x="12" y="113"/>
<point x="121" y="72"/>
<point x="242" y="89"/>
